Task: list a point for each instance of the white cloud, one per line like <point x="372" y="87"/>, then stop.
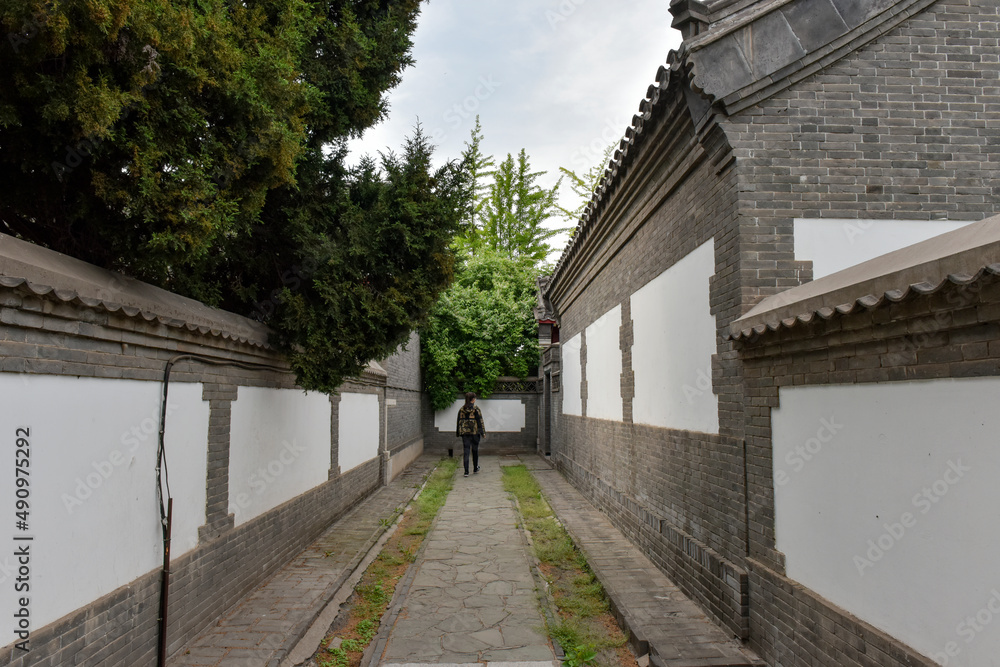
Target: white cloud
<point x="561" y="79"/>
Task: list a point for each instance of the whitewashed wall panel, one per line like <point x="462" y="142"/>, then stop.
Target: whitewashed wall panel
<point x="674" y="340"/>
<point x="279" y="448"/>
<point x="887" y="504"/>
<point x="93" y="486"/>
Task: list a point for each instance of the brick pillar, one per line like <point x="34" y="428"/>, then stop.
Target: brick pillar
<point x="334" y="436"/>
<point x="218" y="520"/>
<point x="583" y="372"/>
<point x="626" y="338"/>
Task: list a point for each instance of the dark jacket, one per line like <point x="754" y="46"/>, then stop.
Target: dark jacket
<point x="470" y="421"/>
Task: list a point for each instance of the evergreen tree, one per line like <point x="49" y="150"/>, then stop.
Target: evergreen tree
<point x="508" y="212"/>
<point x="201" y="147"/>
<point x="515" y="209"/>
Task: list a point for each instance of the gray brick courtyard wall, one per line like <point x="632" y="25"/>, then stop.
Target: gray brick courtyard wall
<point x="404" y="385"/>
<point x="677" y="494"/>
<point x="524" y="441"/>
<point x="902" y="128"/>
<point x="953" y="334"/>
<point x="42" y="333"/>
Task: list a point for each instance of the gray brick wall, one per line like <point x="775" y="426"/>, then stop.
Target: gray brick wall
<point x="954" y="333"/>
<point x="900" y="129"/>
<point x="904" y="128"/>
<point x="44" y="335"/>
<point x="689" y="484"/>
<point x="405" y="385"/>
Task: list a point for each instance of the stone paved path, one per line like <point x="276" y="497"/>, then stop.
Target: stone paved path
<point x="655" y="612"/>
<point x="268" y="623"/>
<point x="472" y="595"/>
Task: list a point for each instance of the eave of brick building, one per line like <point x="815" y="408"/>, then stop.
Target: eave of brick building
<point x="963" y="257"/>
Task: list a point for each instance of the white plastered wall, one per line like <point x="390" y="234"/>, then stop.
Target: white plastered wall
<point x="835" y="244"/>
<point x="887" y="504"/>
<point x="604" y="366"/>
<point x="674" y="334"/>
<point x="500" y="415"/>
<point x="94" y="515"/>
<point x="358" y="429"/>
<point x="279" y="448"/>
<point x="572" y="376"/>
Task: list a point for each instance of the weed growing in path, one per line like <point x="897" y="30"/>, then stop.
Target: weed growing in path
<point x="359" y="625"/>
<point x="585" y="629"/>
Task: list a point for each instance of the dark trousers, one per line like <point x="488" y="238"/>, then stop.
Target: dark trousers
<point x="470" y="442"/>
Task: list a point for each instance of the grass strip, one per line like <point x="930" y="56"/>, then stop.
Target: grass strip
<point x="345" y="646"/>
<point x="586" y="630"/>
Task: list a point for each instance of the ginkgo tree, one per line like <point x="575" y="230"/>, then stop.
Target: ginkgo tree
<point x="483" y="326"/>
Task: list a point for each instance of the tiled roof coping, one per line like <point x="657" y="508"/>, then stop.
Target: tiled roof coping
<point x="958" y="257"/>
<point x="52" y="274"/>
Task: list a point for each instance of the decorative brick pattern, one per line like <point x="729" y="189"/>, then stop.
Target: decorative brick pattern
<point x="218" y="519"/>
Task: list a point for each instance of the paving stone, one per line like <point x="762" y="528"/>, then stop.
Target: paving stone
<point x="477" y="560"/>
<point x="269" y="621"/>
<point x="679" y="633"/>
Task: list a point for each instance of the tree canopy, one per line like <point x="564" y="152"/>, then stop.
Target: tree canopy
<point x="481" y="328"/>
<point x="508" y="208"/>
<point x="201" y="147"/>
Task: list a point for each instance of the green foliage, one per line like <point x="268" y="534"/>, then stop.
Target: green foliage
<point x="581" y="628"/>
<point x="480" y="168"/>
<point x="367" y="628"/>
<point x="338" y="658"/>
<point x="578" y="655"/>
<point x="513" y="213"/>
<point x="481" y="328"/>
<point x="508" y="207"/>
<point x="200" y="147"/>
<point x="584" y="186"/>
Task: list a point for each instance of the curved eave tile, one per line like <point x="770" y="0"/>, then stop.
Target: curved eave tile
<point x="653" y="104"/>
<point x="73" y="298"/>
<point x="867" y="302"/>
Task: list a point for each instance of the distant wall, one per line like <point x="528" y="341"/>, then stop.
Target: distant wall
<point x="510" y="417"/>
<point x="257" y="467"/>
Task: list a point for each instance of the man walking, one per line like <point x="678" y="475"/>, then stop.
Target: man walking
<point x="470" y="428"/>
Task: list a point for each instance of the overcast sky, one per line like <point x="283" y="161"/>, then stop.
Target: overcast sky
<point x="559" y="78"/>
